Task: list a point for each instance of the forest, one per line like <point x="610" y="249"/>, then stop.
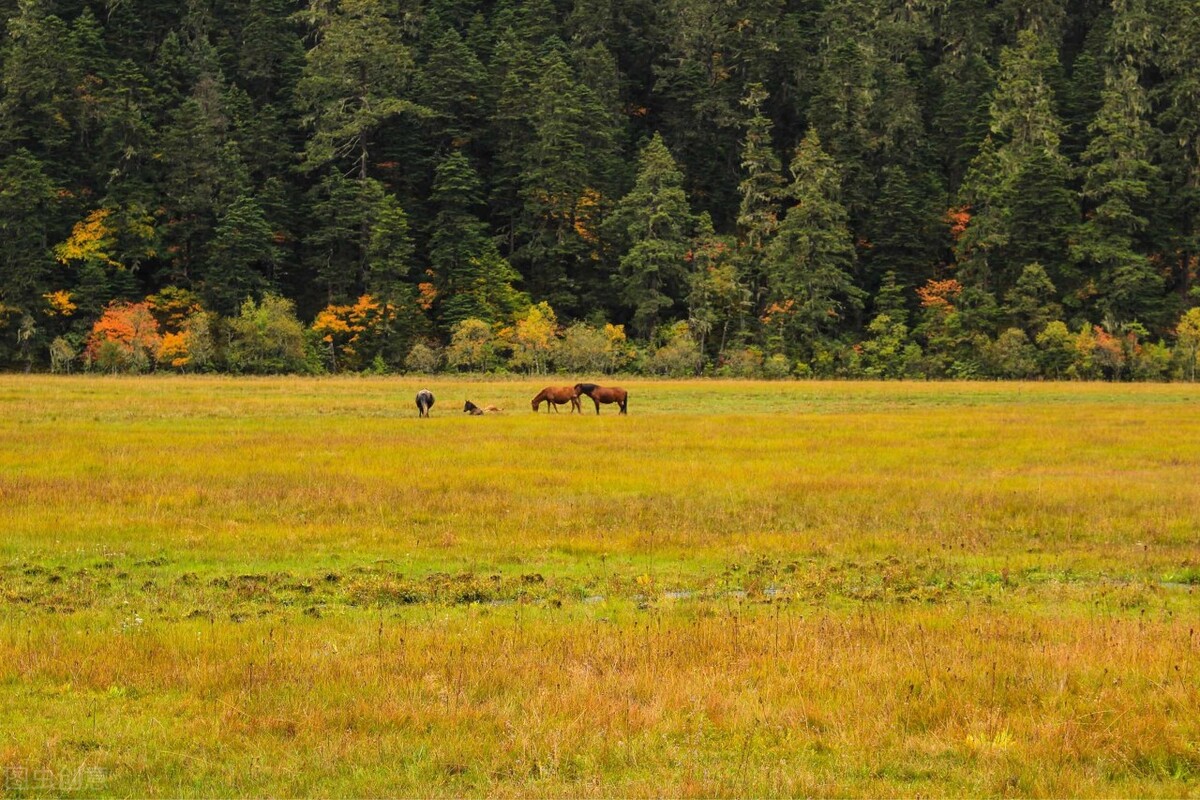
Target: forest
<point x="768" y="188"/>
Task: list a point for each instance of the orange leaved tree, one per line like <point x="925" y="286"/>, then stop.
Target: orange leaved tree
<point x="124" y="339"/>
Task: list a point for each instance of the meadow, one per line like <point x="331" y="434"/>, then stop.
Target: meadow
<point x="213" y="586"/>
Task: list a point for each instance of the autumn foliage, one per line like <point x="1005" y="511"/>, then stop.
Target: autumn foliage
<point x="352" y="334"/>
<point x="939" y="295"/>
<point x="125" y="338"/>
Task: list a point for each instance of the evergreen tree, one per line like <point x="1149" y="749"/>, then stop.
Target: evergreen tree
<point x="655" y="222"/>
<point x="388" y="279"/>
<point x="555" y="177"/>
<point x="513" y="72"/>
<point x="1018" y="185"/>
<point x="1030" y="304"/>
<point x="240" y="258"/>
<point x="718" y="300"/>
<point x="40" y="72"/>
<point x="758" y="213"/>
<point x="453" y="86"/>
<point x="811" y="260"/>
<point x="27" y="210"/>
<point x="458" y="243"/>
<point x="355" y="79"/>
<point x="203" y="174"/>
<point x="1111" y="242"/>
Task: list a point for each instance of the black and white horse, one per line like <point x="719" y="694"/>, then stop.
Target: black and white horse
<point x="424" y="402"/>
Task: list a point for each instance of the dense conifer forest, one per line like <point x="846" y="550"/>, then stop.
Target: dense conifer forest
<point x="858" y="188"/>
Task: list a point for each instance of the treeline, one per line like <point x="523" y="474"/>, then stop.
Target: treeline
<point x="974" y="188"/>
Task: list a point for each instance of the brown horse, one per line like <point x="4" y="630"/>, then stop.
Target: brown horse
<point x="555" y="396"/>
<point x="604" y="394"/>
<point x="476" y="411"/>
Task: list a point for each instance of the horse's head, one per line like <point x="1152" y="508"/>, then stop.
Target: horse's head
<point x="584" y="388"/>
<point x="468" y="407"/>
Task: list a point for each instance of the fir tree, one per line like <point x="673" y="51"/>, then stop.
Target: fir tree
<point x="654" y="221"/>
<point x="1111" y="242"/>
<point x="758" y="213"/>
<point x="811" y="260"/>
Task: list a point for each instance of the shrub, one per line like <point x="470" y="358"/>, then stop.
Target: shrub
<point x="584" y="349"/>
<point x="1187" y="334"/>
<point x="1012" y="355"/>
<point x="124" y="339"/>
<point x="266" y="338"/>
<point x="423" y="358"/>
<point x="777" y="366"/>
<point x="1056" y="347"/>
<point x="889" y="353"/>
<point x="534" y="339"/>
<point x="62" y="356"/>
<point x="680" y="357"/>
<point x="472" y="346"/>
<point x="740" y="362"/>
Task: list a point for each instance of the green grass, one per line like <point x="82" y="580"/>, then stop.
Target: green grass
<point x="215" y="586"/>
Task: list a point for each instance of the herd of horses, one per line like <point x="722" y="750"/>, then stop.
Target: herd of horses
<point x="552" y="396"/>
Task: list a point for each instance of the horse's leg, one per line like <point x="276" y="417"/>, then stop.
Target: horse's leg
<point x="597" y="402"/>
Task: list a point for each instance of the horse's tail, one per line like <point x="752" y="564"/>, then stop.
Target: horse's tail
<point x="625" y="404"/>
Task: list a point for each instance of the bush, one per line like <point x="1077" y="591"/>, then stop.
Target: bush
<point x="534" y="339"/>
<point x="742" y="362"/>
<point x="266" y="338"/>
<point x="1152" y="362"/>
<point x="1012" y="355"/>
<point x="472" y="346"/>
<point x="62" y="356"/>
<point x="584" y="349"/>
<point x="1056" y="349"/>
<point x="423" y="358"/>
<point x="777" y="366"/>
<point x="124" y="339"/>
<point x="680" y="357"/>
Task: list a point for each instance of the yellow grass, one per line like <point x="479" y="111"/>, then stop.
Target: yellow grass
<point x="212" y="586"/>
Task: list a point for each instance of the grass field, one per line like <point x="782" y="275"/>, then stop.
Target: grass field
<point x="216" y="587"/>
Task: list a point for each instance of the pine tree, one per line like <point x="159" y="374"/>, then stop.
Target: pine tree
<point x="335" y="248"/>
<point x="203" y="174"/>
<point x="27" y="212"/>
<point x="1018" y="185"/>
<point x="453" y="85"/>
<point x="758" y="213"/>
<point x="654" y="221"/>
<point x="458" y="241"/>
<point x="513" y="73"/>
<point x="1175" y="46"/>
<point x="1030" y="304"/>
<point x="39" y="73"/>
<point x="810" y="263"/>
<point x="388" y="278"/>
<point x="355" y="80"/>
<point x="718" y="300"/>
<point x="240" y="257"/>
<point x="1111" y="242"/>
<point x="556" y="176"/>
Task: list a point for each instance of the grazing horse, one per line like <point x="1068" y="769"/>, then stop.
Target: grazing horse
<point x="604" y="394"/>
<point x="424" y="402"/>
<point x="555" y="396"/>
<point x="476" y="411"/>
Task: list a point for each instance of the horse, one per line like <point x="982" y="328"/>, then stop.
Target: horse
<point x="604" y="394"/>
<point x="424" y="402"/>
<point x="555" y="396"/>
<point x="476" y="411"/>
